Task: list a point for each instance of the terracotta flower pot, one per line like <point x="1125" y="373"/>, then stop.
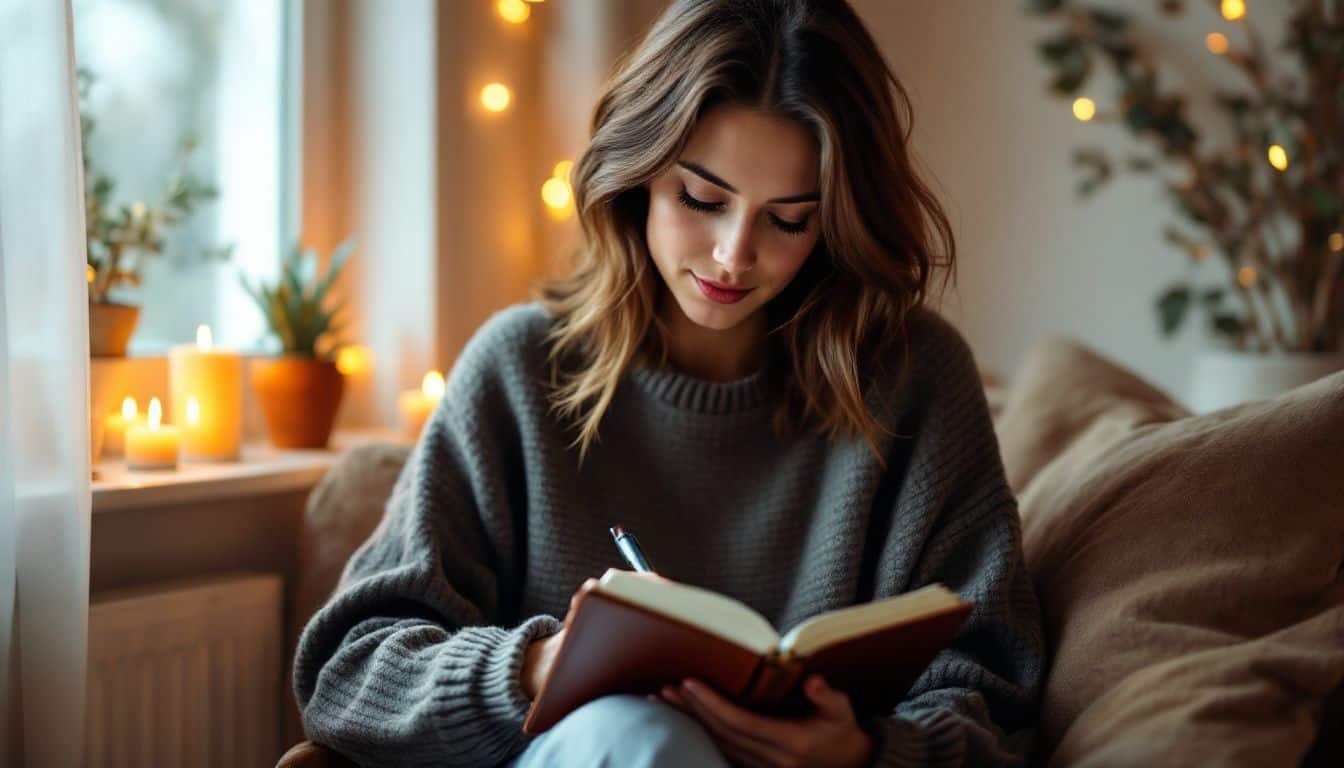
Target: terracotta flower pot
<point x="299" y="397"/>
<point x="110" y="328"/>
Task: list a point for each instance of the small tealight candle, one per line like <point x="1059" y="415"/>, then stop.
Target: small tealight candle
<point x="115" y="426"/>
<point x="152" y="445"/>
<point x="417" y="405"/>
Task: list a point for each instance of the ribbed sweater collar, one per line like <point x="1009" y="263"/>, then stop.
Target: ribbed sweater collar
<point x="689" y="393"/>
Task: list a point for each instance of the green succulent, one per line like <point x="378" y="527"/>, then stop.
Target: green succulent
<point x="295" y="306"/>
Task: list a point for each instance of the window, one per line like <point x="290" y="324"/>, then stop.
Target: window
<point x="225" y="72"/>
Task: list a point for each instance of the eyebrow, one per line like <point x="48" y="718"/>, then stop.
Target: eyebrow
<point x="703" y="173"/>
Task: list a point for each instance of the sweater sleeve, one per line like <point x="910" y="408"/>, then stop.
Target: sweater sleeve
<point x="977" y="702"/>
<point x="410" y="662"/>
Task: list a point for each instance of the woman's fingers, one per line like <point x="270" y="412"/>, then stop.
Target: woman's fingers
<point x="725" y="721"/>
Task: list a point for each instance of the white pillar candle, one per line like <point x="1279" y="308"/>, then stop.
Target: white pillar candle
<point x="214" y="379"/>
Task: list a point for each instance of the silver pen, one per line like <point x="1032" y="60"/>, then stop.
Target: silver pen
<point x="629" y="546"/>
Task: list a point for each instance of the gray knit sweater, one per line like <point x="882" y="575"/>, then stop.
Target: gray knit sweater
<point x="416" y="658"/>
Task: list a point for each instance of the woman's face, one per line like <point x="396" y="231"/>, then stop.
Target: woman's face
<point x="737" y="210"/>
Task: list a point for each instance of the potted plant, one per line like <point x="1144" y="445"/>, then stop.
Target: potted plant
<point x="300" y="389"/>
<point x="119" y="237"/>
<point x="1264" y="211"/>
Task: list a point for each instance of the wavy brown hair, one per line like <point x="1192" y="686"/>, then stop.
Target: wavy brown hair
<point x="838" y="328"/>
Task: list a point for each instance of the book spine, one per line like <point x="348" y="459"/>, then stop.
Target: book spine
<point x="776" y="678"/>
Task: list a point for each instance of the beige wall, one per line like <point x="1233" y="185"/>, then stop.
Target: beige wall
<point x="1034" y="260"/>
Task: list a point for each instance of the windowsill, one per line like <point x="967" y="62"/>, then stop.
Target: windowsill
<point x="262" y="470"/>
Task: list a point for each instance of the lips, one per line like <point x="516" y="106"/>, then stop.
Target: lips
<point x="719" y="293"/>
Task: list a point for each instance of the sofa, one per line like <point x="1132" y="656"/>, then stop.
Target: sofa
<point x="1190" y="568"/>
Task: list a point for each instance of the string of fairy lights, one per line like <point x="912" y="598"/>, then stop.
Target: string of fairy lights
<point x="1216" y="42"/>
<point x="1085" y="109"/>
<point x="556" y="193"/>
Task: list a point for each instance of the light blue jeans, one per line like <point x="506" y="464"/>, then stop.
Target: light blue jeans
<point x="624" y="730"/>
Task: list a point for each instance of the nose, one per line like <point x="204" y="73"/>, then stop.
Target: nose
<point x="734" y="250"/>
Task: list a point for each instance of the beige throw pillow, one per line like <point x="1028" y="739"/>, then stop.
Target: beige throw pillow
<point x="1189" y="568"/>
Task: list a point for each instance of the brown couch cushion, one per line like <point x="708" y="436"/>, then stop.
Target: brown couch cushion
<point x="1189" y="568"/>
<point x="342" y="511"/>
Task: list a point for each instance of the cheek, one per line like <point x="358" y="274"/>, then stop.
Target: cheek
<point x="787" y="258"/>
<point x="675" y="234"/>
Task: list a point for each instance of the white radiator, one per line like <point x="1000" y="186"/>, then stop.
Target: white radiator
<point x="186" y="674"/>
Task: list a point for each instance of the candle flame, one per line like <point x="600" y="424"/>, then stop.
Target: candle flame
<point x="354" y="360"/>
<point x="432" y="386"/>
<point x="128" y="409"/>
<point x="155" y="413"/>
<point x="204" y="341"/>
<point x="193" y="411"/>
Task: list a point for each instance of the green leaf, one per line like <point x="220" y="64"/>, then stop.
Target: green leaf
<point x="1172" y="307"/>
<point x="1057" y="49"/>
<point x="307" y="268"/>
<point x="290" y="277"/>
<point x="1140" y="164"/>
<point x="1044" y="6"/>
<point x="1070" y="81"/>
<point x="338" y="259"/>
<point x="1228" y="325"/>
<point x="252" y="291"/>
<point x="1109" y="22"/>
<point x="1212" y="297"/>
<point x="1139" y="117"/>
<point x="1324" y="202"/>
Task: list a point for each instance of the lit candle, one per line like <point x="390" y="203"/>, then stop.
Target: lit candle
<point x="417" y="405"/>
<point x="115" y="426"/>
<point x="152" y="445"/>
<point x="213" y="378"/>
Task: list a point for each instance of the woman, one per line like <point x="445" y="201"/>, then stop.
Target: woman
<point x="740" y="370"/>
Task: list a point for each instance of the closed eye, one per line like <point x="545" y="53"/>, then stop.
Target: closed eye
<point x="696" y="204"/>
<point x="783" y="225"/>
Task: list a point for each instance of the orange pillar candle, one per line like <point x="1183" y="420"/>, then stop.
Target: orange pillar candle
<point x="152" y="445"/>
<point x="214" y="378"/>
<point x="417" y="405"/>
<point x="115" y="426"/>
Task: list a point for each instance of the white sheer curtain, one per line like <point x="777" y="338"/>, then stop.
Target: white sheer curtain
<point x="44" y="421"/>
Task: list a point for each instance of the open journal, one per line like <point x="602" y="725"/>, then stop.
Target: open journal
<point x="632" y="634"/>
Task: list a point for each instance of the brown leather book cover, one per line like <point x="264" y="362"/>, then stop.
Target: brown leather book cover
<point x="614" y="646"/>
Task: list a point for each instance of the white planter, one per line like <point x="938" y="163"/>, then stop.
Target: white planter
<point x="1219" y="379"/>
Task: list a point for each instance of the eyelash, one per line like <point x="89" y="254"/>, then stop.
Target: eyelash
<point x="787" y="227"/>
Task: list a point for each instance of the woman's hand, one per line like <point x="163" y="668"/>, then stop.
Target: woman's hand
<point x="830" y="737"/>
<point x="540" y="653"/>
<point x="537" y="660"/>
